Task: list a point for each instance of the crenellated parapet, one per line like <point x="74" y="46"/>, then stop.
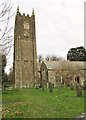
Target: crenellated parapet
<point x="18" y="13"/>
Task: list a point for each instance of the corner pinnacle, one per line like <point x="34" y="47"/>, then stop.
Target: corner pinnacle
<point x="33" y="11"/>
<point x="18" y="9"/>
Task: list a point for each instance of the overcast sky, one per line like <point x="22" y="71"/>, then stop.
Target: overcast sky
<point x="59" y="24"/>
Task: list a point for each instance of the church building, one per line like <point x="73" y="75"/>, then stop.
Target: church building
<point x="25" y="53"/>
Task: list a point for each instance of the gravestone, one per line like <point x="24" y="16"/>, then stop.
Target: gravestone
<point x="78" y="90"/>
<point x="78" y="87"/>
<point x="84" y="87"/>
<point x="50" y="87"/>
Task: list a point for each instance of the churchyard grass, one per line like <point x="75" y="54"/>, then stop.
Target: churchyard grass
<point x="33" y="103"/>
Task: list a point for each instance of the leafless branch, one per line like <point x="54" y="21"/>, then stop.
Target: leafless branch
<point x="7" y="18"/>
<point x="6" y="38"/>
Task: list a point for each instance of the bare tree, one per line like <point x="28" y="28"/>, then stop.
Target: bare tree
<point x="51" y="58"/>
<point x="6" y="38"/>
<point x="54" y="58"/>
<point x="47" y="58"/>
<point x="40" y="58"/>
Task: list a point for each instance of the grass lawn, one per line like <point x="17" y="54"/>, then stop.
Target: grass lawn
<point x="33" y="103"/>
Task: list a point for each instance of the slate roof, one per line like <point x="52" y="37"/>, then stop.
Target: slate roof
<point x="57" y="65"/>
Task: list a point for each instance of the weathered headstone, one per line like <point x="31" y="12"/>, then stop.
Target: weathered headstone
<point x="78" y="87"/>
<point x="50" y="87"/>
<point x="78" y="90"/>
<point x="84" y="85"/>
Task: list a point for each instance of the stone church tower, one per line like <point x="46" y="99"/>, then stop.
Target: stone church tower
<point x="25" y="54"/>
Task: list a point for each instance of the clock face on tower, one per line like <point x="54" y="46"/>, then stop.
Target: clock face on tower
<point x="26" y="25"/>
<point x="26" y="28"/>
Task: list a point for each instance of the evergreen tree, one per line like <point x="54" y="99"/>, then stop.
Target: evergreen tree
<point x="76" y="54"/>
